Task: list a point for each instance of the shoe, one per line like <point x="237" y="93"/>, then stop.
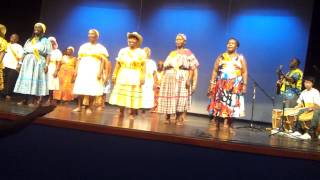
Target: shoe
<point x="274" y="131"/>
<point x="22" y="103"/>
<point x="88" y="111"/>
<point x="296" y="133"/>
<point x="305" y="136"/>
<point x="77" y="110"/>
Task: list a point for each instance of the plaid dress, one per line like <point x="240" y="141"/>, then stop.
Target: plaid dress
<point x="174" y="96"/>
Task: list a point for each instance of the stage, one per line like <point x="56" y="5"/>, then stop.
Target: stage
<point x="197" y="131"/>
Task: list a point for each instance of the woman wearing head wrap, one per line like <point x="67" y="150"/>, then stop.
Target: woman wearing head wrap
<point x="53" y="68"/>
<point x="89" y="70"/>
<point x="150" y="80"/>
<point x="228" y="84"/>
<point x="32" y="80"/>
<point x="175" y="88"/>
<point x="129" y="76"/>
<point x="3" y="48"/>
<point x="66" y="76"/>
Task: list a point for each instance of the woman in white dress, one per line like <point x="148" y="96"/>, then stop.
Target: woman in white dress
<point x="53" y="69"/>
<point x="150" y="79"/>
<point x="89" y="69"/>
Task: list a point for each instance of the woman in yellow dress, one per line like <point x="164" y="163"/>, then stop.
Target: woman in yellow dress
<point x="3" y="48"/>
<point x="66" y="76"/>
<point x="129" y="76"/>
<point x="91" y="58"/>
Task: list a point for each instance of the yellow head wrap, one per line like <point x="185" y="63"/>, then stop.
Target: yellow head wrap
<point x="43" y="26"/>
<point x="72" y="48"/>
<point x="3" y="29"/>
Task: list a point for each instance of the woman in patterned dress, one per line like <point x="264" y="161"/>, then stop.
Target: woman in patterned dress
<point x="32" y="82"/>
<point x="129" y="76"/>
<point x="159" y="75"/>
<point x="89" y="69"/>
<point x="66" y="76"/>
<point x="228" y="84"/>
<point x="175" y="88"/>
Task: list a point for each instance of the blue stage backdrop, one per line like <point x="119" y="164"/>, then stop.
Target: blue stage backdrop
<point x="271" y="32"/>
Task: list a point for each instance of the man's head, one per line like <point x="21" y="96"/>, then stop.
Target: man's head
<point x="309" y="82"/>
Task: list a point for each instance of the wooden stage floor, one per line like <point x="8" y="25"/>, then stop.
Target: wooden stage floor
<point x="197" y="131"/>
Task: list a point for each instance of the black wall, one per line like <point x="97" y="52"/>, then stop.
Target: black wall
<point x="313" y="58"/>
<point x="20" y="16"/>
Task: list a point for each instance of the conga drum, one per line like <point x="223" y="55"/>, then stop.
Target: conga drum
<point x="276" y="118"/>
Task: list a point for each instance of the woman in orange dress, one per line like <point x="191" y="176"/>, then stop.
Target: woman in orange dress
<point x="66" y="76"/>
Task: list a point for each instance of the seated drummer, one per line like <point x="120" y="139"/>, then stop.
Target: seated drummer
<point x="309" y="98"/>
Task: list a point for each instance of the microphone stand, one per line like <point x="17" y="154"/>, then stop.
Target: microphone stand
<point x="283" y="118"/>
<point x="255" y="86"/>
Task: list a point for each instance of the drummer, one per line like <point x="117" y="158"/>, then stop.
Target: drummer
<point x="310" y="99"/>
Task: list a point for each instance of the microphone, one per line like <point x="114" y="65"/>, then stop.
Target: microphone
<point x="280" y="67"/>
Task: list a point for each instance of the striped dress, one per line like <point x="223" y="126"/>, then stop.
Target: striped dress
<point x="174" y="96"/>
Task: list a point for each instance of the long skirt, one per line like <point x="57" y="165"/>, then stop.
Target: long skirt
<point x="156" y="99"/>
<point x="148" y="96"/>
<point x="53" y="82"/>
<point x="65" y="75"/>
<point x="32" y="79"/>
<point x="10" y="78"/>
<point x="174" y="96"/>
<point x="129" y="96"/>
<point x="1" y="77"/>
<point x="226" y="100"/>
<point x="87" y="82"/>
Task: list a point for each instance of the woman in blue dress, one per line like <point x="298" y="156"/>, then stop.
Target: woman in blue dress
<point x="32" y="80"/>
